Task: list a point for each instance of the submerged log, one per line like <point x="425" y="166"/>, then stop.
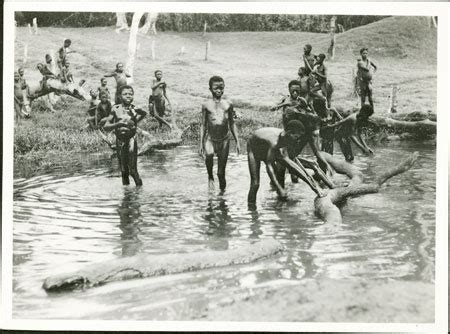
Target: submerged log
<point x="145" y="265"/>
<point x="326" y="207"/>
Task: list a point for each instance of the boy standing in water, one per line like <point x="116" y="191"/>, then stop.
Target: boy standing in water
<point x="121" y="80"/>
<point x="364" y="76"/>
<point x="271" y="145"/>
<point x="216" y="124"/>
<point x="123" y="120"/>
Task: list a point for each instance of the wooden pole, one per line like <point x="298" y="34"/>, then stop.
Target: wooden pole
<point x="153" y="50"/>
<point x="331" y="49"/>
<point x="433" y="20"/>
<point x="132" y="44"/>
<point x="35" y="26"/>
<point x="393" y="99"/>
<point x="121" y="22"/>
<point x="205" y="26"/>
<point x="29" y="29"/>
<point x="25" y="53"/>
<point x="208" y="46"/>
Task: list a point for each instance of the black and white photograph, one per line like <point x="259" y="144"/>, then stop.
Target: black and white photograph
<point x="273" y="163"/>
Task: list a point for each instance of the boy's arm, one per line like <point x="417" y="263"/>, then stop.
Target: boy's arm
<point x="127" y="75"/>
<point x="141" y="113"/>
<point x="307" y="63"/>
<point x="233" y="128"/>
<point x="110" y="124"/>
<point x="156" y="84"/>
<point x="373" y="64"/>
<point x="342" y="121"/>
<point x="109" y="75"/>
<point x="202" y="131"/>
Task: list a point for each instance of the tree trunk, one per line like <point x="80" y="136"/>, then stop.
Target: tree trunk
<point x="132" y="44"/>
<point x="146" y="265"/>
<point x="326" y="207"/>
<point x="423" y="128"/>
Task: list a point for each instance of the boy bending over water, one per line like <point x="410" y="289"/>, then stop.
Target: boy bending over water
<point x="271" y="145"/>
<point x="216" y="125"/>
<point x="349" y="129"/>
<point x="123" y="119"/>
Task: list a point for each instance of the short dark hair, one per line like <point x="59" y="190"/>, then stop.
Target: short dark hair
<point x="102" y="92"/>
<point x="363" y="49"/>
<point x="308" y="47"/>
<point x="125" y="87"/>
<point x="117" y="65"/>
<point x="321" y="56"/>
<point x="101" y="79"/>
<point x="295" y="127"/>
<point x="67" y="41"/>
<point x="157" y="71"/>
<point x="366" y="110"/>
<point x="294" y="82"/>
<point x="302" y="68"/>
<point x="215" y="78"/>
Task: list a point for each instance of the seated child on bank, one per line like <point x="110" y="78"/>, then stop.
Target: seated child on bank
<point x="123" y="120"/>
<point x="350" y="129"/>
<point x="216" y="125"/>
<point x="101" y="113"/>
<point x="271" y="145"/>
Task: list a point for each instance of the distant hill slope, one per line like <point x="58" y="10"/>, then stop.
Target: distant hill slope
<point x="409" y="37"/>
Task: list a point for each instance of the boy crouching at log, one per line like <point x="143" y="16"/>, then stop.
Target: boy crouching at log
<point x="123" y="119"/>
<point x="272" y="145"/>
<point x="216" y="125"/>
<point x="349" y="129"/>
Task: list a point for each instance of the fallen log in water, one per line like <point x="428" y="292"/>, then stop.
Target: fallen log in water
<point x="326" y="207"/>
<point x="145" y="265"/>
<point x="423" y="128"/>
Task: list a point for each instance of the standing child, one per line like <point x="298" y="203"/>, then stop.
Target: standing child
<point x="320" y="73"/>
<point x="366" y="68"/>
<point x="123" y="120"/>
<point x="216" y="125"/>
<point x="63" y="52"/>
<point x="66" y="75"/>
<point x="121" y="80"/>
<point x="157" y="100"/>
<point x="103" y="87"/>
<point x="99" y="115"/>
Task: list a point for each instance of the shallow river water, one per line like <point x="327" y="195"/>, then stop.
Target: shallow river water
<point x="65" y="221"/>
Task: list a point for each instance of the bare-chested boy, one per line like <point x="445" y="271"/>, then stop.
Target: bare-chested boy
<point x="103" y="87"/>
<point x="100" y="112"/>
<point x="349" y="129"/>
<point x="121" y="79"/>
<point x="19" y="102"/>
<point x="123" y="119"/>
<point x="320" y="74"/>
<point x="272" y="146"/>
<point x="366" y="68"/>
<point x="157" y="100"/>
<point x="305" y="83"/>
<point x="216" y="125"/>
<point x="63" y="52"/>
<point x="308" y="58"/>
<point x="293" y="99"/>
<point x="66" y="75"/>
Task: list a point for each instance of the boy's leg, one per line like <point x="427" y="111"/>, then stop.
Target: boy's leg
<point x="346" y="148"/>
<point x="222" y="156"/>
<point x="254" y="167"/>
<point x="271" y="172"/>
<point x="369" y="93"/>
<point x="280" y="173"/>
<point x="132" y="161"/>
<point x="122" y="156"/>
<point x="209" y="161"/>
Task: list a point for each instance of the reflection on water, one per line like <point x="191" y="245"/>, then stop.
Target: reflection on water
<point x="63" y="222"/>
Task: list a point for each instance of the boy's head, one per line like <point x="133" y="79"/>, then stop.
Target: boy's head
<point x="67" y="43"/>
<point x="16" y="77"/>
<point x="67" y="64"/>
<point x="158" y="74"/>
<point x="119" y="67"/>
<point x="103" y="96"/>
<point x="93" y="93"/>
<point x="301" y="71"/>
<point x="103" y="81"/>
<point x="40" y="66"/>
<point x="21" y="71"/>
<point x="321" y="57"/>
<point x="294" y="131"/>
<point x="216" y="86"/>
<point x="364" y="52"/>
<point x="294" y="89"/>
<point x="365" y="112"/>
<point x="126" y="94"/>
<point x="48" y="58"/>
<point x="307" y="48"/>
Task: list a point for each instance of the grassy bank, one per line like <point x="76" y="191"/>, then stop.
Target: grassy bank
<point x="256" y="67"/>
